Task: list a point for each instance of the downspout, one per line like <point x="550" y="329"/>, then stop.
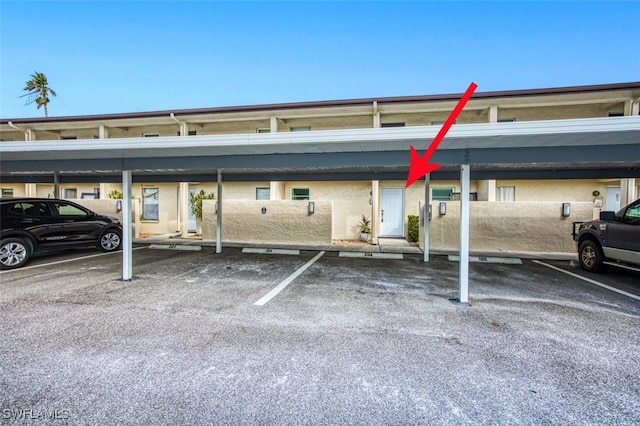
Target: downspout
<point x="181" y="123"/>
<point x="27" y="135"/>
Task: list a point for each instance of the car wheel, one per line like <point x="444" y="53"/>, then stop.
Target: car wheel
<point x="14" y="252"/>
<point x="591" y="256"/>
<point x="111" y="240"/>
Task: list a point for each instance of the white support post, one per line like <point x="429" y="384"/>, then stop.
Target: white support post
<point x="464" y="233"/>
<point x="127" y="246"/>
<point x="425" y="215"/>
<point x="219" y="214"/>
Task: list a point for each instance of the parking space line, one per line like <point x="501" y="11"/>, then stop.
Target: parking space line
<point x="287" y="281"/>
<point x="589" y="280"/>
<point x="65" y="261"/>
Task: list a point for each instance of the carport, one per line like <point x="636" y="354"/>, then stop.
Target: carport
<point x="569" y="149"/>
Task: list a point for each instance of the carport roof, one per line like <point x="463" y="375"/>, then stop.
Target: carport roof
<point x="596" y="147"/>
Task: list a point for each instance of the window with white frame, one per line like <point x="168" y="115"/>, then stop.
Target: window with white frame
<point x="505" y="193"/>
<point x="299" y="193"/>
<point x="70" y="193"/>
<point x="263" y="193"/>
<point x="7" y="192"/>
<point x="150" y="203"/>
<point x="441" y="194"/>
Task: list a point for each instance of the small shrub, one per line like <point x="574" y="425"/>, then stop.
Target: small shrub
<point x="196" y="202"/>
<point x="115" y="195"/>
<point x="413" y="228"/>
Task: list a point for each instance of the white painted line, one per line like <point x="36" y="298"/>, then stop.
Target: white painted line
<point x="65" y="261"/>
<point x="175" y="247"/>
<point x="620" y="265"/>
<point x="371" y="255"/>
<point x="486" y="259"/>
<point x="287" y="281"/>
<point x="589" y="280"/>
<point x="270" y="251"/>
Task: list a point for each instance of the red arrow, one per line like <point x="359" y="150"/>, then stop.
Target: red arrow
<point x="419" y="167"/>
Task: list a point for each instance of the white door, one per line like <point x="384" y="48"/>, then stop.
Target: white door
<point x="391" y="212"/>
<point x="612" y="199"/>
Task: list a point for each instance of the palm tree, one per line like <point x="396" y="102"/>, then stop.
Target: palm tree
<point x="38" y="91"/>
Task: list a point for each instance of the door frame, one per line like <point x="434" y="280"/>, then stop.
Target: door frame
<point x="402" y="232"/>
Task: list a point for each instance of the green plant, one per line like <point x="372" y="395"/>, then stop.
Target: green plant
<point x="413" y="228"/>
<point x="195" y="200"/>
<point x="365" y="225"/>
<point x="115" y="195"/>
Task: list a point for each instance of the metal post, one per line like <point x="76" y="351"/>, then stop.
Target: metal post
<point x="425" y="215"/>
<point x="219" y="214"/>
<point x="56" y="185"/>
<point x="127" y="247"/>
<point x="464" y="233"/>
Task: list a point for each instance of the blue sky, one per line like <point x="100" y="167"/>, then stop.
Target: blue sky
<point x="109" y="57"/>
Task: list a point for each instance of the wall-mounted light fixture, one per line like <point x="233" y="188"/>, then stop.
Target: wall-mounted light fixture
<point x="119" y="205"/>
<point x="566" y="209"/>
<point x="443" y="208"/>
<point x="312" y="207"/>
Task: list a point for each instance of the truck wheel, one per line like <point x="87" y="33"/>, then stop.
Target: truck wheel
<point x="590" y="256"/>
<point x="14" y="252"/>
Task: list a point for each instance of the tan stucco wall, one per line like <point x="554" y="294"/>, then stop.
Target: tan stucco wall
<point x="109" y="208"/>
<point x="283" y="222"/>
<point x="509" y="227"/>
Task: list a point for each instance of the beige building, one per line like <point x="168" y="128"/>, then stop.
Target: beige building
<point x="265" y="203"/>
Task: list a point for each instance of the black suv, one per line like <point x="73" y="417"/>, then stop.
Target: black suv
<point x="613" y="238"/>
<point x="32" y="225"/>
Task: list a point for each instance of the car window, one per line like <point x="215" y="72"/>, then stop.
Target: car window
<point x="632" y="215"/>
<point x="69" y="210"/>
<point x="34" y="209"/>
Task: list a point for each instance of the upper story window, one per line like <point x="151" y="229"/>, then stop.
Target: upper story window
<point x="68" y="138"/>
<point x="300" y="129"/>
<point x="392" y="124"/>
<point x="7" y="192"/>
<point x="506" y="193"/>
<point x="265" y="130"/>
<point x="150" y="135"/>
<point x="506" y="120"/>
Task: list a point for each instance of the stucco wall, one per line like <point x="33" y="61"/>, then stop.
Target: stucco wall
<point x="283" y="222"/>
<point x="509" y="227"/>
<point x="109" y="208"/>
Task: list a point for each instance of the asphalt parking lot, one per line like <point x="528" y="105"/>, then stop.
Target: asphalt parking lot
<point x="195" y="338"/>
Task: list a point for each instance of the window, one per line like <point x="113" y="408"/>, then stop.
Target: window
<point x="392" y="124"/>
<point x="189" y="133"/>
<point x="70" y="193"/>
<point x="506" y="193"/>
<point x="616" y="114"/>
<point x="150" y="203"/>
<point x="300" y="129"/>
<point x="65" y="209"/>
<point x="264" y="130"/>
<point x="7" y="192"/>
<point x="68" y="138"/>
<point x="441" y="194"/>
<point x="506" y="120"/>
<point x="150" y="135"/>
<point x="263" y="193"/>
<point x="299" y="193"/>
<point x="30" y="209"/>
